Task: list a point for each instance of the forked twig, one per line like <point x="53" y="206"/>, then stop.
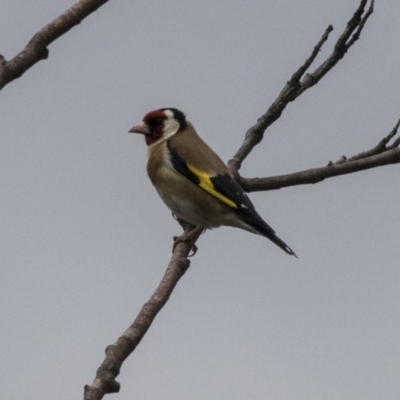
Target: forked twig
<point x="296" y="86"/>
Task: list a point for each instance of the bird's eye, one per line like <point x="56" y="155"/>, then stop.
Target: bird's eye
<point x="158" y="121"/>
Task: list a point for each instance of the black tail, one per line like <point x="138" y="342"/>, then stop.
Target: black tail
<point x="279" y="242"/>
<point x="262" y="228"/>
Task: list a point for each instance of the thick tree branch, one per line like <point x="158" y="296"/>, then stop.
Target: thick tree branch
<point x="382" y="154"/>
<point x="118" y="352"/>
<point x="295" y="87"/>
<point x="36" y="49"/>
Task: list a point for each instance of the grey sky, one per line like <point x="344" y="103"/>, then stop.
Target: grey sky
<point x="85" y="238"/>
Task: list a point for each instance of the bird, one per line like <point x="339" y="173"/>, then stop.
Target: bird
<point x="192" y="180"/>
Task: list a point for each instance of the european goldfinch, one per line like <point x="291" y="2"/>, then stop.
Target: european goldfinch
<point x="193" y="181"/>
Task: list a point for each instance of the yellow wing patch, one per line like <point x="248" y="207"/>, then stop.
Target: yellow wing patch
<point x="207" y="185"/>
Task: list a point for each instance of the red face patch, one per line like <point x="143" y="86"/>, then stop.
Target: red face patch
<point x="155" y="121"/>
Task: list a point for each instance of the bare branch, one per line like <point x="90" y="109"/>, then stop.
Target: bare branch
<point x="36" y="49"/>
<point x="294" y="88"/>
<point x="118" y="352"/>
<point x="301" y="71"/>
<point x="381" y="147"/>
<point x="342" y="45"/>
<point x="344" y="40"/>
<point x="381" y="154"/>
<point x="319" y="174"/>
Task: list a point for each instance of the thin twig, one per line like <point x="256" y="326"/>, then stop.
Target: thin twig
<point x="357" y="34"/>
<point x="319" y="174"/>
<point x="118" y="352"/>
<point x="351" y="26"/>
<point x="301" y="71"/>
<point x="294" y="88"/>
<point x="381" y="147"/>
<point x="254" y="135"/>
<point x="381" y="154"/>
<point x="36" y="49"/>
<point x="342" y="45"/>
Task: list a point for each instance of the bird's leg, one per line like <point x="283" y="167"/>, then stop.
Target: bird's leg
<point x="188" y="238"/>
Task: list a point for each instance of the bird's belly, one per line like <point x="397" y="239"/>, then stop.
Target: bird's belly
<point x="190" y="211"/>
<point x="191" y="203"/>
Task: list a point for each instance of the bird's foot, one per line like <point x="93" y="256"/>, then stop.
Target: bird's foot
<point x="188" y="238"/>
<point x="184" y="239"/>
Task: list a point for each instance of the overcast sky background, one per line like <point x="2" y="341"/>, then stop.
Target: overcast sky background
<point x="85" y="239"/>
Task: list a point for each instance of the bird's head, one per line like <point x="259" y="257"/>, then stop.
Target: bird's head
<point x="159" y="125"/>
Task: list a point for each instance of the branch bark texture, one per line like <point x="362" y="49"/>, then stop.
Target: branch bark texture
<point x="316" y="175"/>
<point x="36" y="49"/>
<point x="384" y="153"/>
<point x="118" y="352"/>
<point x="296" y="85"/>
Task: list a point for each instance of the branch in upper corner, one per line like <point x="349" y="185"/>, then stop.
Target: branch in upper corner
<point x="351" y="33"/>
<point x="36" y="49"/>
<point x="118" y="352"/>
<point x="383" y="153"/>
<point x="348" y="37"/>
<point x="296" y="86"/>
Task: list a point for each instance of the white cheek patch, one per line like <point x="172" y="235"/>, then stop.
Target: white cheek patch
<point x="171" y="125"/>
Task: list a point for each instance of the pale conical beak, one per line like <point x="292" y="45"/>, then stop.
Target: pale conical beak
<point x="140" y="128"/>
